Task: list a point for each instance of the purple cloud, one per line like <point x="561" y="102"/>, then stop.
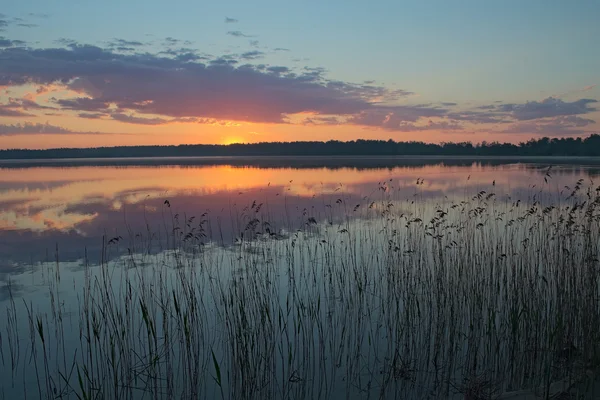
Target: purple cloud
<point x="150" y="84"/>
<point x="559" y="126"/>
<point x="550" y="107"/>
<point x="28" y="128"/>
<point x="130" y="119"/>
<point x="181" y="85"/>
<point x="91" y="115"/>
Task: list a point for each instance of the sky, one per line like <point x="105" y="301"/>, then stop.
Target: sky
<point x="87" y="74"/>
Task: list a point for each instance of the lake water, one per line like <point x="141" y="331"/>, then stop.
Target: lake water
<point x="290" y="262"/>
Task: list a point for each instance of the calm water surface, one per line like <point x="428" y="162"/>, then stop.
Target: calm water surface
<point x="85" y="213"/>
<point x="70" y="206"/>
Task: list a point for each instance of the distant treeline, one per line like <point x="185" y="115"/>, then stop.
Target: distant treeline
<point x="587" y="147"/>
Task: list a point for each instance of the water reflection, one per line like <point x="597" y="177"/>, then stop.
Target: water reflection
<point x="71" y="205"/>
<point x="410" y="277"/>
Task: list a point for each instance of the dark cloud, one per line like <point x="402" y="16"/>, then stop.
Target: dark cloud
<point x="448" y="104"/>
<point x="238" y="34"/>
<point x="280" y="49"/>
<point x="224" y="61"/>
<point x="185" y="54"/>
<point x="10" y="43"/>
<point x="253" y="43"/>
<point x="180" y="86"/>
<point x="83" y="104"/>
<point x="277" y="69"/>
<point x="92" y="115"/>
<point x="26" y="104"/>
<point x="252" y="55"/>
<point x="529" y="111"/>
<point x="559" y="126"/>
<point x="125" y="43"/>
<point x="3" y="24"/>
<point x="28" y="128"/>
<point x="230" y="20"/>
<point x="27" y="25"/>
<point x="131" y="119"/>
<point x="550" y="107"/>
<point x="17" y="107"/>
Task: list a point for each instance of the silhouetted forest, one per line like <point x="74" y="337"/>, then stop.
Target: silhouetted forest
<point x="586" y="147"/>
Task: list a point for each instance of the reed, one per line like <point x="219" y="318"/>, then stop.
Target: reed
<point x="467" y="297"/>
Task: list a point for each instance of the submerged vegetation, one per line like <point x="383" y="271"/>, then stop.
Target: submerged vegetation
<point x="469" y="297"/>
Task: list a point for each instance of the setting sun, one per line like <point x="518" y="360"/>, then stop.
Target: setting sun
<point x="232" y="140"/>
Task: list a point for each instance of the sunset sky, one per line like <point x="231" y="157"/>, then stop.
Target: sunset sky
<point x="78" y="74"/>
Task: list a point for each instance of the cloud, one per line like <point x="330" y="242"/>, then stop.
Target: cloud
<point x="27" y="25"/>
<point x="397" y="118"/>
<point x="185" y="54"/>
<point x="171" y="88"/>
<point x="252" y="55"/>
<point x="238" y="34"/>
<point x="280" y="49"/>
<point x="125" y="43"/>
<point x="230" y="20"/>
<point x="10" y="43"/>
<point x="17" y="107"/>
<point x="28" y="128"/>
<point x="26" y="104"/>
<point x="558" y="126"/>
<point x="225" y="60"/>
<point x="130" y="119"/>
<point x="277" y="69"/>
<point x="83" y="104"/>
<point x="10" y="112"/>
<point x="550" y="107"/>
<point x="91" y="115"/>
<point x="326" y="120"/>
<point x="253" y="43"/>
<point x="477" y="117"/>
<point x="171" y="41"/>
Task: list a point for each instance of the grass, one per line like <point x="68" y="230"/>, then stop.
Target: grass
<point x="389" y="298"/>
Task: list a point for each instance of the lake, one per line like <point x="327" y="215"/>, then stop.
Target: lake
<point x="298" y="277"/>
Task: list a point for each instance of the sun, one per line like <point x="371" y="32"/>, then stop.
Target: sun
<point x="231" y="140"/>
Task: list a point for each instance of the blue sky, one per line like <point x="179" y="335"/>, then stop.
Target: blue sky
<point x="469" y="52"/>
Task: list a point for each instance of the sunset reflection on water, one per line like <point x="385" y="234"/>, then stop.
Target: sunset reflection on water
<point x="72" y="207"/>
